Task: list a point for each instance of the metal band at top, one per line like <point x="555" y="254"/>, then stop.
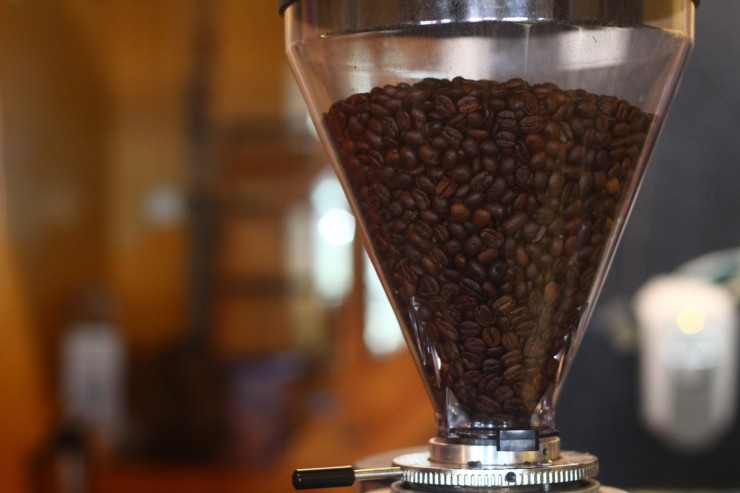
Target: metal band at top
<point x="371" y="14"/>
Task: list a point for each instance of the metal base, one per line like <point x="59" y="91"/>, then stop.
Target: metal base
<point x="486" y="464"/>
<point x="569" y="467"/>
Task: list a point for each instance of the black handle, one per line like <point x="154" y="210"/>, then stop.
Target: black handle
<point x="323" y="477"/>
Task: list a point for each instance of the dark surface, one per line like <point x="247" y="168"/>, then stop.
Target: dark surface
<point x="688" y="206"/>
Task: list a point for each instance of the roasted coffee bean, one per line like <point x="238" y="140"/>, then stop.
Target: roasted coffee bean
<point x="487" y="256"/>
<point x="487" y="405"/>
<point x="481" y="182"/>
<point x="490" y="367"/>
<point x="470" y="360"/>
<point x="526" y="329"/>
<point x="471" y="377"/>
<point x="476" y="134"/>
<point x="429" y="155"/>
<point x="505" y="139"/>
<point x="515" y="405"/>
<point x="466" y="394"/>
<point x="444" y="106"/>
<point x="514" y="223"/>
<point x="473" y="245"/>
<point x="492" y="337"/>
<point x="552" y="291"/>
<point x="512" y="357"/>
<point x="460" y="212"/>
<point x="446" y="188"/>
<point x="468" y="104"/>
<point x="525" y="391"/>
<point x="510" y="341"/>
<point x="428" y="286"/>
<point x="484" y="316"/>
<point x="452" y="247"/>
<point x="466" y="302"/>
<point x="533" y="348"/>
<point x="503" y="393"/>
<point x="489" y="205"/>
<point x="438" y="257"/>
<point x="503" y="305"/>
<point x="474" y="345"/>
<point x="447" y="331"/>
<point x="469" y="328"/>
<point x="532" y="124"/>
<point x="492" y="238"/>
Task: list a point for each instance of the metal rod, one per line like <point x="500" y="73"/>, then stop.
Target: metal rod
<point x="333" y="477"/>
<point x="378" y="473"/>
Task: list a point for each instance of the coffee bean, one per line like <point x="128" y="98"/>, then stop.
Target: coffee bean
<point x="471" y="377"/>
<point x="469" y="148"/>
<point x="503" y="305"/>
<point x="460" y="212"/>
<point x="490" y="368"/>
<point x="492" y="337"/>
<point x="444" y="106"/>
<point x="472" y="245"/>
<point x="489" y="205"/>
<point x="429" y="155"/>
<point x="470" y="288"/>
<point x="503" y="393"/>
<point x="526" y="329"/>
<point x="513" y="373"/>
<point x="487" y="256"/>
<point x="428" y="286"/>
<point x="484" y="315"/>
<point x="487" y="405"/>
<point x="469" y="328"/>
<point x="525" y="391"/>
<point x="514" y="223"/>
<point x="552" y="291"/>
<point x="447" y="331"/>
<point x="468" y="104"/>
<point x="461" y="174"/>
<point x="492" y="238"/>
<point x="470" y="360"/>
<point x="510" y="341"/>
<point x="474" y="345"/>
<point x="481" y="182"/>
<point x="505" y="139"/>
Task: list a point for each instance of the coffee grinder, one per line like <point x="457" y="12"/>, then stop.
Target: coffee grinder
<point x="491" y="151"/>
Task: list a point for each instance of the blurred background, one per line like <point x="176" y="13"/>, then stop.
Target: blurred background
<point x="184" y="306"/>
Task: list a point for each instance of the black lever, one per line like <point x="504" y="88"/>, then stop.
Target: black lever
<point x="334" y="477"/>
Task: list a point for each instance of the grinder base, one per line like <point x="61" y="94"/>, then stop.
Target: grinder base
<point x="489" y="467"/>
<point x="582" y="486"/>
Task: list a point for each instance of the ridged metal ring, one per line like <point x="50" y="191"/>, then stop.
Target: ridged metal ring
<point x="582" y="486"/>
<point x="570" y="467"/>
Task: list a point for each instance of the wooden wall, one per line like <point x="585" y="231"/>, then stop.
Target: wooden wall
<point x="97" y="110"/>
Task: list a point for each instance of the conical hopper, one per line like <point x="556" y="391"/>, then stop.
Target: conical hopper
<point x="491" y="151"/>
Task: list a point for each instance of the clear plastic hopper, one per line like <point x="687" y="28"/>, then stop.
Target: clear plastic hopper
<point x="491" y="151"/>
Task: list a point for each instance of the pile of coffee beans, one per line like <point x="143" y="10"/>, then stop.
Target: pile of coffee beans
<point x="489" y="206"/>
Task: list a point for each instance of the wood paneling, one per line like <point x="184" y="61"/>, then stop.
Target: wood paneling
<point x="54" y="117"/>
<point x="25" y="409"/>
